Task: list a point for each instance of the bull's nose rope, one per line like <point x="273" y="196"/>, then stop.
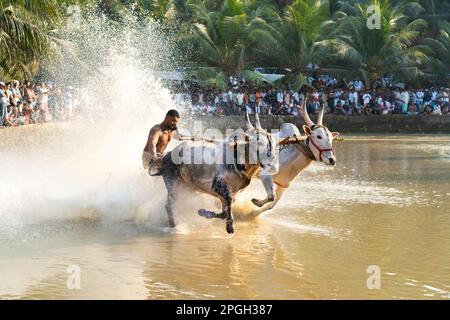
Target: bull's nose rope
<point x="321" y="151"/>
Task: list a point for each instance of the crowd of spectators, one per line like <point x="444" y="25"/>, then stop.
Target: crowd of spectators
<point x="351" y="99"/>
<point x="25" y="102"/>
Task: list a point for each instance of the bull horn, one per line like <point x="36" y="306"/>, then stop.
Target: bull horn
<point x="306" y="117"/>
<point x="258" y="124"/>
<point x="321" y="112"/>
<point x="249" y="124"/>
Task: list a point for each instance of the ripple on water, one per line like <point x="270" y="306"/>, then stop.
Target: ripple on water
<point x="441" y="150"/>
<point x="298" y="228"/>
<point x="327" y="193"/>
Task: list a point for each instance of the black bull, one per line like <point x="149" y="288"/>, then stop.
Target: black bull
<point x="222" y="179"/>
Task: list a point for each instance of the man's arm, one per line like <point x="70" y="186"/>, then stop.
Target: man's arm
<point x="180" y="137"/>
<point x="153" y="138"/>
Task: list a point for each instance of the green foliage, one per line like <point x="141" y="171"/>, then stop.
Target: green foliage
<point x="394" y="48"/>
<point x="219" y="38"/>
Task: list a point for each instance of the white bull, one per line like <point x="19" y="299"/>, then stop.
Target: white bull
<point x="298" y="153"/>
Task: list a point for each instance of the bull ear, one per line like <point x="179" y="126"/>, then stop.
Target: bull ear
<point x="307" y="130"/>
<point x="335" y="134"/>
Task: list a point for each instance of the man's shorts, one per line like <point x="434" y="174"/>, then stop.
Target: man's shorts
<point x="148" y="163"/>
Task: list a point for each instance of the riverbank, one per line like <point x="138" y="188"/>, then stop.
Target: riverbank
<point x="388" y="124"/>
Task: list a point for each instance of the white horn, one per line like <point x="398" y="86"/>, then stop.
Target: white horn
<point x="321" y="112"/>
<point x="258" y="124"/>
<point x="249" y="124"/>
<point x="306" y="117"/>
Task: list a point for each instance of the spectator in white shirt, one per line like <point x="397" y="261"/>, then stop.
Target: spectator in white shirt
<point x="358" y="85"/>
<point x="404" y="100"/>
<point x="366" y="99"/>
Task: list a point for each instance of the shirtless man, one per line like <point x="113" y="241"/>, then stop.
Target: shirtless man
<point x="158" y="140"/>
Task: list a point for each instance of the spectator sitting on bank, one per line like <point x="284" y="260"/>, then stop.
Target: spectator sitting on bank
<point x="13" y="118"/>
<point x="411" y="109"/>
<point x="445" y="109"/>
<point x="437" y="110"/>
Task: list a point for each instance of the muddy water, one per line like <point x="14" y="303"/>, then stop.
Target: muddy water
<point x="385" y="204"/>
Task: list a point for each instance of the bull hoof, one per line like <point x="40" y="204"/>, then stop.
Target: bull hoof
<point x="205" y="213"/>
<point x="230" y="228"/>
<point x="171" y="224"/>
<point x="258" y="203"/>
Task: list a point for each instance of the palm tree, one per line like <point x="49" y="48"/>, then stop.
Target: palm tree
<point x="372" y="53"/>
<point x="437" y="37"/>
<point x="27" y="35"/>
<point x="218" y="39"/>
<point x="438" y="66"/>
<point x="294" y="39"/>
<point x="436" y="13"/>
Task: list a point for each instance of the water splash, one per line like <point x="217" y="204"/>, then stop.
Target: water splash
<point x="92" y="166"/>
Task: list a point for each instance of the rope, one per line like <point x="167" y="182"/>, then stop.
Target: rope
<point x="303" y="148"/>
<point x="235" y="155"/>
